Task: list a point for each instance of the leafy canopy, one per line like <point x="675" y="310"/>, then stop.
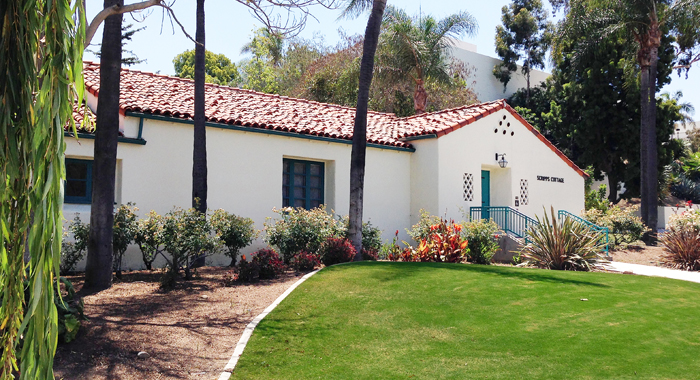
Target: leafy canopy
<point x="218" y="68"/>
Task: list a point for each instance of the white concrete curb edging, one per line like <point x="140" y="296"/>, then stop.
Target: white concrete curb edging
<point x="251" y="326"/>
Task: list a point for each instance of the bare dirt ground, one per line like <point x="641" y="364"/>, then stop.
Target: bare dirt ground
<point x="640" y="255"/>
<point x="188" y="332"/>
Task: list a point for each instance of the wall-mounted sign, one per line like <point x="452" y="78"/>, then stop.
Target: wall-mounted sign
<point x="550" y="179"/>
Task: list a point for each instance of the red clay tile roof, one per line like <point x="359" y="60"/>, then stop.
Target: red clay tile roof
<point x="173" y="97"/>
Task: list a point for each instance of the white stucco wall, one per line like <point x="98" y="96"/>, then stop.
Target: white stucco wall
<point x="487" y="87"/>
<point x="472" y="148"/>
<point x="245" y="176"/>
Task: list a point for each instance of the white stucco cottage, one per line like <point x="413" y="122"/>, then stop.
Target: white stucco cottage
<point x="268" y="151"/>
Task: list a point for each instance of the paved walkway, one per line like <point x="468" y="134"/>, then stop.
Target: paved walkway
<point x="646" y="270"/>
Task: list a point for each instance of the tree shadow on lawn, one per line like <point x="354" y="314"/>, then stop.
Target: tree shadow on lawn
<point x="393" y="271"/>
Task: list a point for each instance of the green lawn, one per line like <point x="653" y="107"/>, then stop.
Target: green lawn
<point x="449" y="321"/>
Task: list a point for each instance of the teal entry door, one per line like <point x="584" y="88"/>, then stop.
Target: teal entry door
<point x="485" y="194"/>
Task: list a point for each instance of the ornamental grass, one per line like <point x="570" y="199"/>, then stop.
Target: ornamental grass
<point x="562" y="245"/>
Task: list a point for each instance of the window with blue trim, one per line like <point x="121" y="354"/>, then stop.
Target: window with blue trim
<point x="302" y="184"/>
<point x="78" y="188"/>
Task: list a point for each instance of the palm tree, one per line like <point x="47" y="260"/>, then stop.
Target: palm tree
<point x="643" y="23"/>
<point x="418" y="48"/>
<point x="98" y="268"/>
<point x="272" y="41"/>
<point x="199" y="154"/>
<point x="359" y="137"/>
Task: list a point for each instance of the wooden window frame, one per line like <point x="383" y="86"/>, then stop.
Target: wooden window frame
<point x="87" y="199"/>
<point x="289" y="200"/>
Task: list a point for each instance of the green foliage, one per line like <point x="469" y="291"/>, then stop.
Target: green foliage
<point x="421" y="230"/>
<point x="565" y="245"/>
<point x="299" y="230"/>
<point x="483" y="241"/>
<point x="391" y="251"/>
<point x="235" y="232"/>
<point x="123" y="234"/>
<point x="73" y="252"/>
<point x="217" y="67"/>
<point x="526" y="35"/>
<point x="149" y="236"/>
<point x="622" y="222"/>
<point x="70" y="311"/>
<point x="259" y="70"/>
<point x="595" y="199"/>
<point x="335" y="251"/>
<point x="186" y="236"/>
<point x="41" y="65"/>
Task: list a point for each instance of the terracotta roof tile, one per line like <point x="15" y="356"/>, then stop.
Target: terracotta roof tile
<point x="171" y="96"/>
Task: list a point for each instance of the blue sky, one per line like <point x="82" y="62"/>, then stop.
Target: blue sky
<point x="229" y="26"/>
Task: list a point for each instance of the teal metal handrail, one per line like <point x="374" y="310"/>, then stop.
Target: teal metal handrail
<point x="594" y="227"/>
<point x="508" y="219"/>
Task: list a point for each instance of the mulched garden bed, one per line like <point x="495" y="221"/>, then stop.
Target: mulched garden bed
<point x="188" y="333"/>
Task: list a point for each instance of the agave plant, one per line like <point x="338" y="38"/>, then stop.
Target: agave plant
<point x="562" y="245"/>
<point x="682" y="246"/>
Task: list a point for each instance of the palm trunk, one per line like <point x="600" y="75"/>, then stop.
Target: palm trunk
<point x="199" y="155"/>
<point x="420" y="97"/>
<point x="98" y="269"/>
<point x="612" y="187"/>
<point x="359" y="138"/>
<point x="649" y="172"/>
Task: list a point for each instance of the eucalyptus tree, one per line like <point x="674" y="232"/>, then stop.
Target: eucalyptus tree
<point x="359" y="138"/>
<point x="643" y="24"/>
<point x="526" y="35"/>
<point x="418" y="48"/>
<point x="40" y="76"/>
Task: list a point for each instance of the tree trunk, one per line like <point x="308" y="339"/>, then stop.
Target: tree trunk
<point x="612" y="188"/>
<point x="359" y="138"/>
<point x="420" y="97"/>
<point x="98" y="269"/>
<point x="199" y="156"/>
<point x="648" y="58"/>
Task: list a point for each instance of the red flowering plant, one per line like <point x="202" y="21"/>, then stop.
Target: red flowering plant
<point x="305" y="261"/>
<point x="443" y="244"/>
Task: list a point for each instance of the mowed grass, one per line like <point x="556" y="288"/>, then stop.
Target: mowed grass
<point x="380" y="320"/>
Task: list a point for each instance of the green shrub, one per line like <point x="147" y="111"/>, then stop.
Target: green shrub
<point x="148" y="235"/>
<point x="305" y="261"/>
<point x="623" y="224"/>
<point x="269" y="263"/>
<point x="483" y="243"/>
<point x="122" y="234"/>
<point x="566" y="245"/>
<point x="421" y="230"/>
<point x="336" y="251"/>
<point x="681" y="241"/>
<point x="391" y="251"/>
<point x="596" y="199"/>
<point x="235" y="232"/>
<point x="301" y="230"/>
<point x="73" y="252"/>
<point x="186" y="236"/>
<point x="70" y="310"/>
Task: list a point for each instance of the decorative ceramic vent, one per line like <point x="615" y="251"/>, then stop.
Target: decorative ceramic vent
<point x="468" y="192"/>
<point x="524" y="196"/>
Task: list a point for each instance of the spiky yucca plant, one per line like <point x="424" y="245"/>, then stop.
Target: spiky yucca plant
<point x="682" y="246"/>
<point x="566" y="245"/>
